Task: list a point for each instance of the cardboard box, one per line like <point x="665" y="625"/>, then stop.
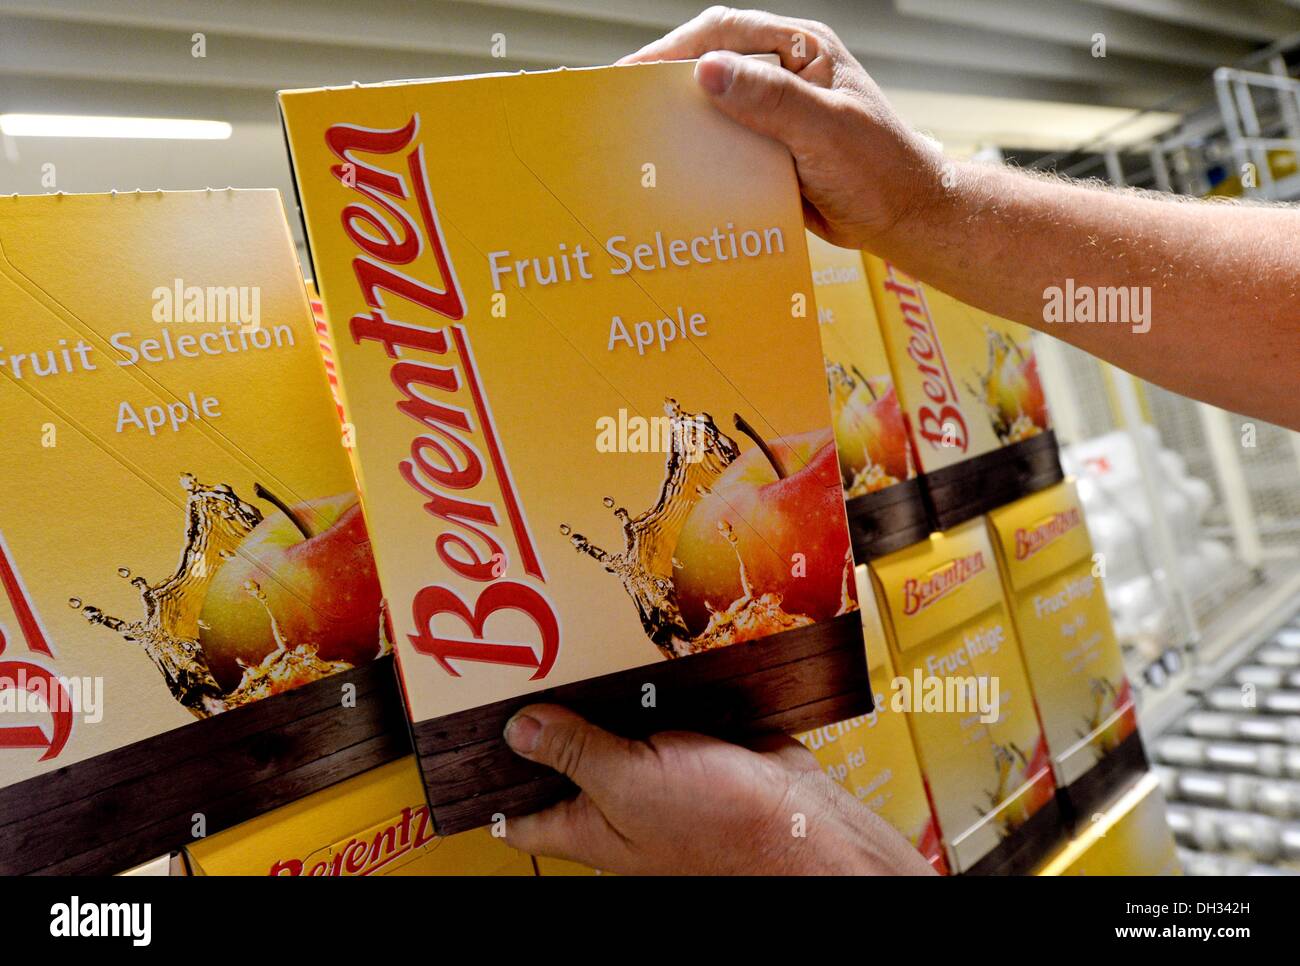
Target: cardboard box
<point x="872" y="755"/>
<point x="884" y="502"/>
<point x="966" y="696"/>
<point x="1063" y="624"/>
<point x="1130" y="838"/>
<point x="969" y="385"/>
<point x="327" y="357"/>
<point x="373" y="824"/>
<point x="869" y="432"/>
<point x="162" y="391"/>
<point x="164" y="397"/>
<point x="546" y="308"/>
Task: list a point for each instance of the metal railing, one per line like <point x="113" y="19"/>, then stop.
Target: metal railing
<point x="1250" y="139"/>
<point x="1228" y="133"/>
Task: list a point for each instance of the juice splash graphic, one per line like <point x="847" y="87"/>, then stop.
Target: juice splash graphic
<point x="1012" y="769"/>
<point x="869" y="430"/>
<point x="171" y="630"/>
<point x="1010" y="391"/>
<point x="703" y="467"/>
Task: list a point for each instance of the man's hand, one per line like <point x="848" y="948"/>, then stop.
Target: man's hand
<point x="1218" y="281"/>
<point x="861" y="168"/>
<point x="683" y="803"/>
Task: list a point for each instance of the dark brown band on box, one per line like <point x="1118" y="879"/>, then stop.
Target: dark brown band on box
<point x="1028" y="847"/>
<point x="975" y="486"/>
<point x="791" y="682"/>
<point x="1101" y="785"/>
<point x="132" y="804"/>
<point x="887" y="520"/>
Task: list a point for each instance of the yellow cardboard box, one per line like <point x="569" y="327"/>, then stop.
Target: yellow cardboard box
<point x="1132" y="837"/>
<point x="872" y="755"/>
<point x="1064" y="628"/>
<point x="327" y="356"/>
<point x="963" y="688"/>
<point x="870" y="435"/>
<point x="161" y="390"/>
<point x="374" y="824"/>
<point x="968" y="380"/>
<point x="546" y="308"/>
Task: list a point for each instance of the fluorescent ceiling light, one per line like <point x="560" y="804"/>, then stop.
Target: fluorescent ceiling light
<point x="85" y="126"/>
<point x="965" y="121"/>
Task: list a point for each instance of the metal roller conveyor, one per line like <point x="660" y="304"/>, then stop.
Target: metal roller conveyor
<point x="1243" y="726"/>
<point x="1288" y="657"/>
<point x="1269" y="760"/>
<point x="1288" y="637"/>
<point x="1277" y="797"/>
<point x="1254" y="699"/>
<point x="1266" y="677"/>
<point x="1230" y="768"/>
<point x="1212" y="863"/>
<point x="1218" y="830"/>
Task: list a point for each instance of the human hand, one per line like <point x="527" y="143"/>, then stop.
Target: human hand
<point x="862" y="170"/>
<point x="682" y="803"/>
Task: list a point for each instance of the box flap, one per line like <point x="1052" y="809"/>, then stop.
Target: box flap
<point x="1041" y="534"/>
<point x="939" y="584"/>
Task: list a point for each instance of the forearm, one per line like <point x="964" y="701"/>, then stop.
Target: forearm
<point x="1223" y="280"/>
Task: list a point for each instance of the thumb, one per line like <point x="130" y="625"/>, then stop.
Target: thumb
<point x="592" y="758"/>
<point x="764" y="97"/>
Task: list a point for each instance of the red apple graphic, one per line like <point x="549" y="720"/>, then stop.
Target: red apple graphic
<point x="1125" y="724"/>
<point x="313" y="563"/>
<point x="1039" y="767"/>
<point x="1017" y="390"/>
<point x="870" y="426"/>
<point x="780" y="499"/>
<point x="887" y="436"/>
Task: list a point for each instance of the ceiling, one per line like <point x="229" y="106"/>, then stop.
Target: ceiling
<point x="968" y="71"/>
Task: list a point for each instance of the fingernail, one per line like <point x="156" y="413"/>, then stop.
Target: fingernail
<point x="522" y="732"/>
<point x="715" y="72"/>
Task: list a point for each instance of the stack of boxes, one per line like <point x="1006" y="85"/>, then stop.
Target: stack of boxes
<point x="971" y="709"/>
<point x="999" y="648"/>
<point x="873" y="756"/>
<point x="1003" y="737"/>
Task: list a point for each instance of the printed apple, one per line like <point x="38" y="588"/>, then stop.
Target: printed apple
<point x="1040" y="767"/>
<point x="852" y="436"/>
<point x="784" y="505"/>
<point x="869" y="426"/>
<point x="313" y="563"/>
<point x="887" y="436"/>
<point x="1123" y="725"/>
<point x="1017" y="390"/>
